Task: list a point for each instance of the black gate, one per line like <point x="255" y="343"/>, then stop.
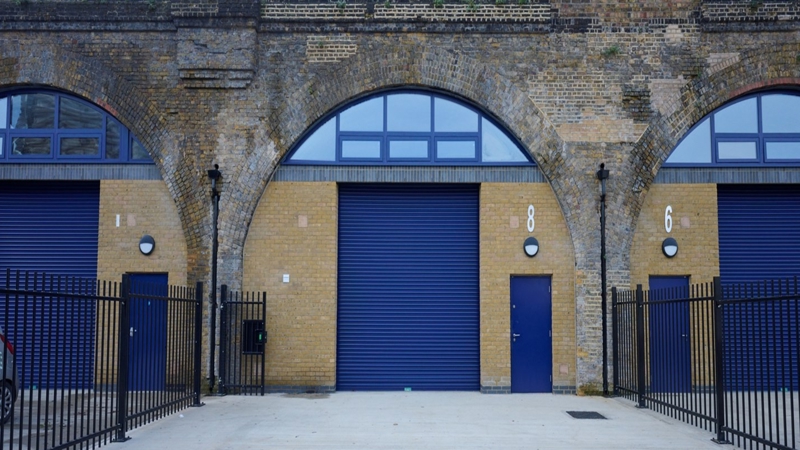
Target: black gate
<point x="86" y="360"/>
<point x="242" y="336"/>
<point x="740" y="377"/>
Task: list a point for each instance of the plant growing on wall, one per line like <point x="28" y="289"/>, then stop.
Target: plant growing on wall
<point x="472" y="6"/>
<point x="612" y="51"/>
<point x="438" y="3"/>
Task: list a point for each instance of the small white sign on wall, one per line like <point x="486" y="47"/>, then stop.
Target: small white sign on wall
<point x="286" y="278"/>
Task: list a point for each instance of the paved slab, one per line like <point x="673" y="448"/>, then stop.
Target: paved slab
<point x="415" y="420"/>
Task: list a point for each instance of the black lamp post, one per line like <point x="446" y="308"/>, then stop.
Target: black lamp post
<point x="215" y="175"/>
<point x="602" y="175"/>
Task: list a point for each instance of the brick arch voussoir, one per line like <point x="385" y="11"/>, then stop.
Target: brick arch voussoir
<point x="434" y="68"/>
<point x="755" y="70"/>
<point x="55" y="67"/>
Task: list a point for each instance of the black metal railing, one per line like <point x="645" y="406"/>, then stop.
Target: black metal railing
<point x="243" y="335"/>
<point x="722" y="357"/>
<point x="94" y="359"/>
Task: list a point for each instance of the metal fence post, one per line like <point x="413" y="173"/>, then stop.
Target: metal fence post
<point x="198" y="340"/>
<point x="615" y="339"/>
<point x="123" y="360"/>
<point x="222" y="388"/>
<point x="719" y="387"/>
<point x="640" y="345"/>
<point x="263" y="353"/>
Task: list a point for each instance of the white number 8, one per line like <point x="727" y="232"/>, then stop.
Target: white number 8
<point x="668" y="219"/>
<point x="531" y="221"/>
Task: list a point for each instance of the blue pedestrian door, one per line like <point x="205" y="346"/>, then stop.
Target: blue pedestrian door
<point x="670" y="339"/>
<point x="531" y="334"/>
<point x="148" y="338"/>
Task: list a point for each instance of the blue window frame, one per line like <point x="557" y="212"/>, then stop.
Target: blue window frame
<point x="408" y="128"/>
<point x="44" y="126"/>
<point x="759" y="129"/>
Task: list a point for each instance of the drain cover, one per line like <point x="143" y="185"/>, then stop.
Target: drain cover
<point x="585" y="415"/>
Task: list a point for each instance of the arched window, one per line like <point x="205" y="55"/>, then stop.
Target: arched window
<point x="755" y="130"/>
<point x="408" y="128"/>
<point x="46" y="126"/>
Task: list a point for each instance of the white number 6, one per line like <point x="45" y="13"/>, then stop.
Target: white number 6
<point x="531" y="221"/>
<point x="668" y="219"/>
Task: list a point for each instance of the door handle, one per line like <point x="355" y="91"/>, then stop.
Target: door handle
<point x="515" y="335"/>
<point x="133" y="330"/>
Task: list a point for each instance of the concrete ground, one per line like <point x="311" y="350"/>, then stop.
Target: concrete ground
<point x="415" y="420"/>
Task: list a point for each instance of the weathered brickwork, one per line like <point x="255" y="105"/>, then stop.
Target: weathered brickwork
<point x="719" y="11"/>
<point x="330" y="11"/>
<point x="503" y="229"/>
<point x="294" y="233"/>
<point x="464" y="12"/>
<point x="194" y="8"/>
<point x="596" y="82"/>
<point x="330" y="48"/>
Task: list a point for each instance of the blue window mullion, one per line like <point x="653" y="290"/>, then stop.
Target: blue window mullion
<point x="338" y="156"/>
<point x="103" y="137"/>
<point x="385" y="148"/>
<point x="480" y="139"/>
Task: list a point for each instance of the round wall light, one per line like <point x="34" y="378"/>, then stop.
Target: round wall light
<point x="669" y="247"/>
<point x="147" y="244"/>
<point x="531" y="246"/>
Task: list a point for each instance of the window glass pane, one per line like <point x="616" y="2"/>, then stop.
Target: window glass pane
<point x="455" y="149"/>
<point x="3" y="113"/>
<point x="408" y="112"/>
<point x="320" y="146"/>
<point x="408" y="149"/>
<point x="30" y="111"/>
<point x="740" y="117"/>
<point x="79" y="146"/>
<point x="779" y="113"/>
<point x="366" y="116"/>
<point x="497" y="147"/>
<point x="450" y="116"/>
<point x="112" y="140"/>
<point x="783" y="150"/>
<point x="2" y="149"/>
<point x="73" y="114"/>
<point x="361" y="149"/>
<point x="138" y="151"/>
<point x="30" y="146"/>
<point x="695" y="147"/>
<point x="736" y="150"/>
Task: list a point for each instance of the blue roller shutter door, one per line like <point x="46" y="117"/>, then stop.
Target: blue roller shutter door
<point x="51" y="227"/>
<point x="759" y="239"/>
<point x="408" y="314"/>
